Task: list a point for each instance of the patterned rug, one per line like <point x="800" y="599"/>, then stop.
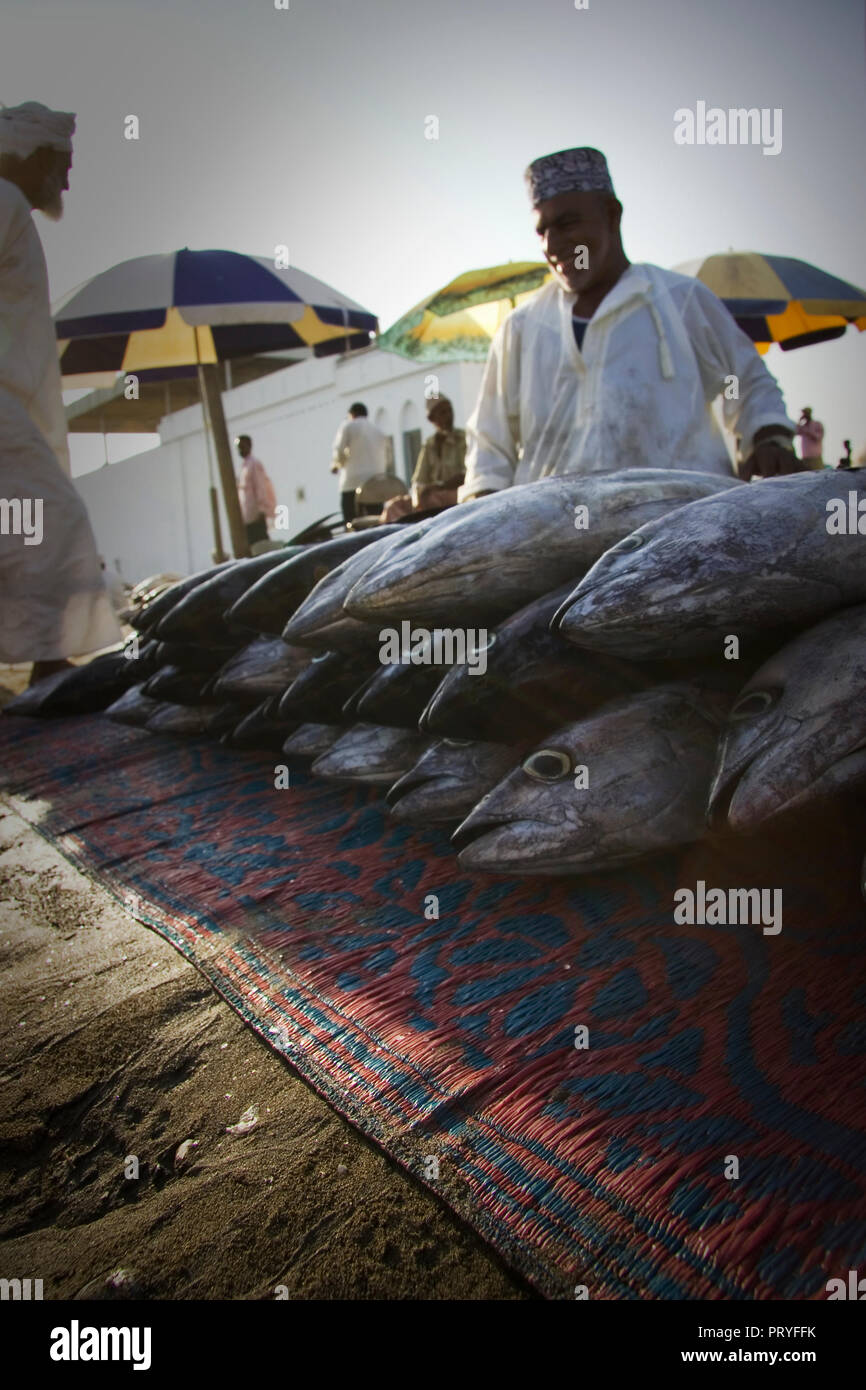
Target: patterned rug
<point x="707" y="1143"/>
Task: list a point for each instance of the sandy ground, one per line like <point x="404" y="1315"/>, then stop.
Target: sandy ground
<point x="114" y="1046"/>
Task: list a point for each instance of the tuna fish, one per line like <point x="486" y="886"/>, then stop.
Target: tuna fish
<point x="311" y="741"/>
<point x="369" y="753"/>
<point x="397" y="695"/>
<point x="629" y="780"/>
<point x="133" y="708"/>
<point x="183" y="720"/>
<point x="81" y="690"/>
<point x="533" y="681"/>
<point x="484" y="559"/>
<point x="321" y="620"/>
<point x="266" y="667"/>
<point x="449" y="779"/>
<point x="797" y="732"/>
<point x="175" y="686"/>
<point x="322" y="688"/>
<point x="268" y="604"/>
<point x="202" y="612"/>
<point x="152" y="614"/>
<point x="262" y="727"/>
<point x="785" y="551"/>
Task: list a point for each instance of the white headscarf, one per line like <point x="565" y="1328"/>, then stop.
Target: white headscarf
<point x="28" y="127"/>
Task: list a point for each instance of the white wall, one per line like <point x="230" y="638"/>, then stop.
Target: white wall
<point x="152" y="512"/>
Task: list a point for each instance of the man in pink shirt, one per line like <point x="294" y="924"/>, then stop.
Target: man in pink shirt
<point x="811" y="434"/>
<point x="256" y="492"/>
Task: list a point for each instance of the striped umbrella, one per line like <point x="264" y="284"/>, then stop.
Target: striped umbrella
<point x="160" y="316"/>
<point x="776" y="299"/>
<point x="458" y="321"/>
<point x="165" y="316"/>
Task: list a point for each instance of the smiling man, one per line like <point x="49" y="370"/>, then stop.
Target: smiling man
<point x="613" y="365"/>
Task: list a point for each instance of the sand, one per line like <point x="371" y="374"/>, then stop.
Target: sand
<point x="115" y="1046"/>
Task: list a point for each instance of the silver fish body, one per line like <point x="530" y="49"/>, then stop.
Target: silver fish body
<point x="267" y="605"/>
<point x="311" y="740"/>
<point x="629" y="780"/>
<point x="797" y="731"/>
<point x="487" y="558"/>
<point x="397" y="695"/>
<point x="267" y="666"/>
<point x="533" y="681"/>
<point x="133" y="708"/>
<point x="150" y="616"/>
<point x="201" y="612"/>
<point x="83" y="689"/>
<point x="319" y="692"/>
<point x="756" y="558"/>
<point x="448" y="780"/>
<point x="320" y="620"/>
<point x="175" y="686"/>
<point x="182" y="720"/>
<point x="261" y="727"/>
<point x="370" y="753"/>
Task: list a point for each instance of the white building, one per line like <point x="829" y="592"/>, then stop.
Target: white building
<point x="151" y="512"/>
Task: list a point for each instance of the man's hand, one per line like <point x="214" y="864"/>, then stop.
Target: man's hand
<point x="769" y="458"/>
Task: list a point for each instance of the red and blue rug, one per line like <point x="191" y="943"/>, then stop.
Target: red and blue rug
<point x="707" y="1143"/>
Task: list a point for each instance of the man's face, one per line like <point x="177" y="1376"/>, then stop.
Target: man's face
<point x="570" y="222"/>
<point x="441" y="415"/>
<point x="244" y="447"/>
<point x="54" y="166"/>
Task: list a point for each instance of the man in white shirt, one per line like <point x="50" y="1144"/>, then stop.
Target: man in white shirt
<point x="53" y="601"/>
<point x="613" y="365"/>
<point x="359" y="454"/>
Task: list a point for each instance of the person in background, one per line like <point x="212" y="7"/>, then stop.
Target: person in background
<point x="359" y="454"/>
<point x="441" y="465"/>
<point x="612" y="365"/>
<point x="440" y="468"/>
<point x="256" y="492"/>
<point x="811" y="435"/>
<point x="846" y="460"/>
<point x="53" y="600"/>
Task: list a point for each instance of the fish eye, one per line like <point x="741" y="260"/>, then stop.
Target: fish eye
<point x="547" y="765"/>
<point x="632" y="542"/>
<point x="457" y="742"/>
<point x="755" y="702"/>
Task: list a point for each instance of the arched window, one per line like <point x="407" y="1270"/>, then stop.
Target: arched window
<point x="410" y="433"/>
<point x="382" y="421"/>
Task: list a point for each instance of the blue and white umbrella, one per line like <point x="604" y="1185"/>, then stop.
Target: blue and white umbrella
<point x="175" y="315"/>
<point x="162" y="316"/>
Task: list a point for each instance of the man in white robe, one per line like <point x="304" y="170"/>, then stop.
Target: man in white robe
<point x="53" y="601"/>
<point x="613" y="365"/>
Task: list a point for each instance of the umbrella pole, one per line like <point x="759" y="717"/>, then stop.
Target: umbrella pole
<point x="208" y="375"/>
<point x="218" y="555"/>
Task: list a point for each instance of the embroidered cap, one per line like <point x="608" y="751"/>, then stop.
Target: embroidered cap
<point x="581" y="170"/>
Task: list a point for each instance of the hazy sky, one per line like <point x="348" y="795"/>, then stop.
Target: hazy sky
<point x="306" y="126"/>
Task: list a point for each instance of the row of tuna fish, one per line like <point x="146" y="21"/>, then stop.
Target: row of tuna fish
<point x="572" y="673"/>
